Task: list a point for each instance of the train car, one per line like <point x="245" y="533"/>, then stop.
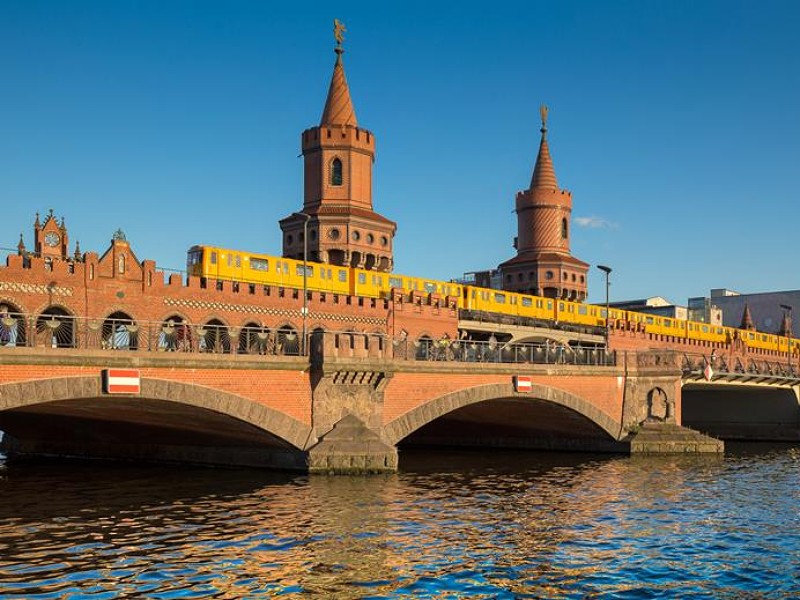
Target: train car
<point x="761" y="340"/>
<point x="577" y="313"/>
<point x="537" y="308"/>
<point x="212" y="262"/>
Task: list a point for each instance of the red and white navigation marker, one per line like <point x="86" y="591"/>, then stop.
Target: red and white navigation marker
<point x="522" y="383"/>
<point x="121" y="381"/>
<point x="708" y="372"/>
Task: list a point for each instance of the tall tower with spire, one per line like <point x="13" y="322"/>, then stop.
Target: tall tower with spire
<point x="343" y="229"/>
<point x="544" y="265"/>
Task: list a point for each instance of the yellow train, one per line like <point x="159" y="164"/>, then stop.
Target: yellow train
<point x="212" y="262"/>
<point x="223" y="263"/>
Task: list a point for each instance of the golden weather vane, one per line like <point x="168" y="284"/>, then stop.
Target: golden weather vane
<point x="338" y="31"/>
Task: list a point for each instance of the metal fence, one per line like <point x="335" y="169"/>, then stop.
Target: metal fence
<point x="65" y="331"/>
<point x="57" y="331"/>
<point x="497" y="352"/>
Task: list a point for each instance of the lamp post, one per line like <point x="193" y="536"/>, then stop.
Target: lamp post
<point x="607" y="271"/>
<point x="306" y="218"/>
<point x="788" y="317"/>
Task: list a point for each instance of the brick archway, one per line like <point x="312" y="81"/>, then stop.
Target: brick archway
<point x="292" y="431"/>
<point x="413" y="420"/>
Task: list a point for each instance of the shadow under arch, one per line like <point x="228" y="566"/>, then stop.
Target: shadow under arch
<point x="288" y="429"/>
<point x="406" y="424"/>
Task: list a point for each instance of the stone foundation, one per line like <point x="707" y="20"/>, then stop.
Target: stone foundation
<point x="668" y="438"/>
<point x="351" y="448"/>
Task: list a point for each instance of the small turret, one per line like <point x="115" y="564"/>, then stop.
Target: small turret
<point x="747" y="319"/>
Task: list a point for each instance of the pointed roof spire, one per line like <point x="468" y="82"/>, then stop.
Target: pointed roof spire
<point x="786" y="325"/>
<point x="544" y="176"/>
<point x="21" y="245"/>
<point x="78" y="254"/>
<point x="747" y="320"/>
<point x="338" y="107"/>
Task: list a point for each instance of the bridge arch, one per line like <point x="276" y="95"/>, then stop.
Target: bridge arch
<point x="403" y="426"/>
<point x="293" y="432"/>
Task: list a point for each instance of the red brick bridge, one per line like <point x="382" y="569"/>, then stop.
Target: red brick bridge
<point x="349" y="406"/>
<point x="224" y="377"/>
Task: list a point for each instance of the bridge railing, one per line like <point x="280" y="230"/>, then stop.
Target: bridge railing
<point x="447" y="350"/>
<point x="56" y="331"/>
<point x="713" y="366"/>
<point x="59" y="331"/>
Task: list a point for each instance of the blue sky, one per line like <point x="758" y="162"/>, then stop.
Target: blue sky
<point x="674" y="124"/>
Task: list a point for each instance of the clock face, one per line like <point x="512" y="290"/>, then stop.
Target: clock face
<point x="51" y="239"/>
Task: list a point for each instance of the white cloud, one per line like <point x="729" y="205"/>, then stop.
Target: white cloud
<point x="595" y="223"/>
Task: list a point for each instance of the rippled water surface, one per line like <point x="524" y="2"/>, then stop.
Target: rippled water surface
<point x="450" y="525"/>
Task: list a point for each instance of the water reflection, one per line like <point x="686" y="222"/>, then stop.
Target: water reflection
<point x="490" y="525"/>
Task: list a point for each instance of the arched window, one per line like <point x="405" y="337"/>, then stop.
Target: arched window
<point x="336" y="172"/>
<point x="121" y="263"/>
<point x="563" y="229"/>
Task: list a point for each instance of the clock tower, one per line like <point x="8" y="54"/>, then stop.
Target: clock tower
<point x="50" y="238"/>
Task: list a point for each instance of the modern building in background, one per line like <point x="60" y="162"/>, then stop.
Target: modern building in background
<point x="767" y="310"/>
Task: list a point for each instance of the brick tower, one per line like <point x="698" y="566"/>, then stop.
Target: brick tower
<point x="343" y="229"/>
<point x="543" y="264"/>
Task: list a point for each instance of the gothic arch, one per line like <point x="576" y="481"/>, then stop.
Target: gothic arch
<point x="292" y="431"/>
<point x="413" y="420"/>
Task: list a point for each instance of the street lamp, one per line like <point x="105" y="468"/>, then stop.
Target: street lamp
<point x="607" y="271"/>
<point x="788" y="317"/>
<point x="306" y="218"/>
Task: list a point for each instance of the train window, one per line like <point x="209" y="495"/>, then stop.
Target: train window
<point x="539" y="304"/>
<point x="230" y="259"/>
<point x="549" y="305"/>
<point x="322" y="273"/>
<point x="561" y="306"/>
<point x="429" y="287"/>
<point x="667" y="323"/>
<point x="582" y="310"/>
<point x="380" y="281"/>
<point x="259" y="264"/>
<point x="751" y="336"/>
<point x="238" y="261"/>
<point x="526" y="301"/>
<point x="705" y="328"/>
<point x="446" y="290"/>
<point x="500" y="298"/>
<point x="374" y="280"/>
<point x="484" y="295"/>
<point x="194" y="258"/>
<point x="329" y="274"/>
<point x="603" y="312"/>
<point x="719" y="330"/>
<point x="342" y="275"/>
<point x="763" y="338"/>
<point x="649" y="320"/>
<point x="286" y="268"/>
<point x="213" y="258"/>
<point x="362" y="278"/>
<point x="473" y="294"/>
<point x="299" y="271"/>
<point x="396" y="282"/>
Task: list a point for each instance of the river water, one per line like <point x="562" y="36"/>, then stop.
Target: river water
<point x="449" y="525"/>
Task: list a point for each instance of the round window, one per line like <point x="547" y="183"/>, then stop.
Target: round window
<point x="334" y="234"/>
<point x="384" y="240"/>
<point x="370" y="238"/>
<point x="548" y="275"/>
<point x="356" y="236"/>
